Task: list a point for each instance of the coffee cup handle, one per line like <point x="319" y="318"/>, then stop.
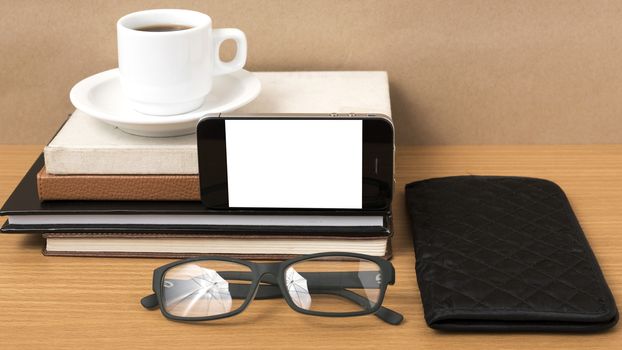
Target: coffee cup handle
<point x="222" y="34"/>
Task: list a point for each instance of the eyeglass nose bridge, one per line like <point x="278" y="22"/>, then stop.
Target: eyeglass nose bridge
<point x="268" y="272"/>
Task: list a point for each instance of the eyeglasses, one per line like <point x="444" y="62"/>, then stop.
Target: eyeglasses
<point x="325" y="284"/>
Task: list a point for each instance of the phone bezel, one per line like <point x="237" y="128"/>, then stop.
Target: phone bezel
<point x="378" y="160"/>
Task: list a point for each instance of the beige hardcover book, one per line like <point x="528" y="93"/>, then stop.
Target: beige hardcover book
<point x="118" y="187"/>
<point x="87" y="146"/>
<point x="265" y="247"/>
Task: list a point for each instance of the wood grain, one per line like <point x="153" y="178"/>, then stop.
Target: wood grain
<point x="52" y="302"/>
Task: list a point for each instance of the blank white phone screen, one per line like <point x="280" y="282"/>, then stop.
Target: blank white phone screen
<point x="295" y="163"/>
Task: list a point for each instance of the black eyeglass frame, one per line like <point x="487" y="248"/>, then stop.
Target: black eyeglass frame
<point x="259" y="272"/>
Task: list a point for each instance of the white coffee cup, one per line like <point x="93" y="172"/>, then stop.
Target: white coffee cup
<point x="171" y="72"/>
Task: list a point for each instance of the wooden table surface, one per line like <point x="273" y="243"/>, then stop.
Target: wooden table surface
<point x="51" y="302"/>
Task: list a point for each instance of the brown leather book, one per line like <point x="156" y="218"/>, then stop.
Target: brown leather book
<point x="118" y="187"/>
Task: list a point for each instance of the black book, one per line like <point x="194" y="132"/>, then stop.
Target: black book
<point x="179" y="229"/>
<point x="26" y="213"/>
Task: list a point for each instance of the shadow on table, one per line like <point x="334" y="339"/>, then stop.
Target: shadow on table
<point x="33" y="241"/>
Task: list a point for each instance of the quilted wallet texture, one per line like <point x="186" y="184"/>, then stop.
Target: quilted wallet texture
<point x="500" y="253"/>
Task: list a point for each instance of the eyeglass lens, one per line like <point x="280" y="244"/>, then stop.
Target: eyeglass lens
<point x="205" y="288"/>
<point x="334" y="284"/>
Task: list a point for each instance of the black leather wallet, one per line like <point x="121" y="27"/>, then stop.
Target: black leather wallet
<point x="504" y="254"/>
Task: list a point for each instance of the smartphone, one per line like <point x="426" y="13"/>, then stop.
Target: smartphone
<point x="296" y="161"/>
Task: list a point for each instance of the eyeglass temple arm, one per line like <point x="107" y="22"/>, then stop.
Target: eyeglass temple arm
<point x="237" y="291"/>
<point x="343" y="279"/>
<point x="363" y="279"/>
<point x="387" y="315"/>
<point x="383" y="313"/>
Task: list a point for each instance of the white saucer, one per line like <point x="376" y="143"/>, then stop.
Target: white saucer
<point x="100" y="96"/>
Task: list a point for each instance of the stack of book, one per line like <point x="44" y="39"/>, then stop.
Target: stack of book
<point x="97" y="191"/>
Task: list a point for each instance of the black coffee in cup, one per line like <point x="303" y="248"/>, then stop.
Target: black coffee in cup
<point x="163" y="28"/>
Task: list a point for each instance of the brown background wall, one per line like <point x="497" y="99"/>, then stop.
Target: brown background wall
<point x="460" y="71"/>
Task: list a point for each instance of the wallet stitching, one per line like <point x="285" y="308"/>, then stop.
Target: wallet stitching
<point x="490" y="308"/>
<point x="497" y="288"/>
<point x="581" y="259"/>
<point x="564" y="209"/>
<point x="576" y="232"/>
<point x="544" y="258"/>
<point x="553" y="279"/>
<point x="573" y="235"/>
<point x="481" y="302"/>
